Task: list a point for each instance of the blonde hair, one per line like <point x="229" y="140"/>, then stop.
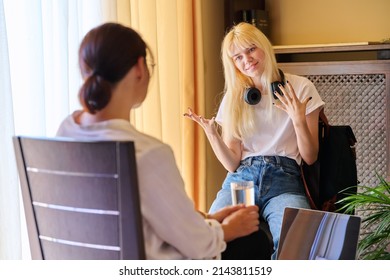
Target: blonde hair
<point x="239" y="117"/>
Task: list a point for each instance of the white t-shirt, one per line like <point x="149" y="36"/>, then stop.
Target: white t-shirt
<point x="276" y="135"/>
<point x="171" y="226"/>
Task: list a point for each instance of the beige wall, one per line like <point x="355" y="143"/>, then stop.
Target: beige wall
<point x="293" y="22"/>
<point x="328" y="21"/>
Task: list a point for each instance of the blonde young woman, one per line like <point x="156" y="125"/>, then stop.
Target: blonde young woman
<point x="263" y="142"/>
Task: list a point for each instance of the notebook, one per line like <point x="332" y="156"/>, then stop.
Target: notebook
<point x="317" y="235"/>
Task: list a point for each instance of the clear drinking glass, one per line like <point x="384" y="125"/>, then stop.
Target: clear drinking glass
<point x="243" y="192"/>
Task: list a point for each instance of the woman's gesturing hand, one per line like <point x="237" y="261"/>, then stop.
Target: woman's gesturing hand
<point x="208" y="125"/>
<point x="229" y="154"/>
<point x="290" y="103"/>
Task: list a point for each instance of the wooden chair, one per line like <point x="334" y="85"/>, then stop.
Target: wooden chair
<point x="81" y="199"/>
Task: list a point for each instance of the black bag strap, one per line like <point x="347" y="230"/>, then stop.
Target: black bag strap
<point x="323" y="118"/>
<point x="307" y="191"/>
<point x="323" y="126"/>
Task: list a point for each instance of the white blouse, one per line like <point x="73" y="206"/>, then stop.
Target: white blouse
<point x="172" y="227"/>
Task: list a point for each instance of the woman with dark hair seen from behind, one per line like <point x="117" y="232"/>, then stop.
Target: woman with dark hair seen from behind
<point x="113" y="63"/>
<point x="265" y="135"/>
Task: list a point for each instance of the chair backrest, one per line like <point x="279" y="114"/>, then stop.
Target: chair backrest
<point x="81" y="199"/>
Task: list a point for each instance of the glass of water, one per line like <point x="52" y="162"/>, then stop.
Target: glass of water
<point x="243" y="192"/>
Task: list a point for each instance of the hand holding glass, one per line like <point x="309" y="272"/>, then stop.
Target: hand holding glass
<point x="243" y="193"/>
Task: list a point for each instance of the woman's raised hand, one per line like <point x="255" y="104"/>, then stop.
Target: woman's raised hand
<point x="208" y="125"/>
<point x="229" y="156"/>
<point x="290" y="103"/>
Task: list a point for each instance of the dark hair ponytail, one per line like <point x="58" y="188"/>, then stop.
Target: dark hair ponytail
<point x="95" y="93"/>
<point x="106" y="54"/>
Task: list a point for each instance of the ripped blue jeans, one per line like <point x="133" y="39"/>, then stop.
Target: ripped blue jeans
<point x="278" y="184"/>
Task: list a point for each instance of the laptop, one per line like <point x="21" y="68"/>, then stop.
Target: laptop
<point x="318" y="235"/>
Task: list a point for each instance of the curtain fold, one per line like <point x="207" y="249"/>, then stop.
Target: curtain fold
<point x="200" y="103"/>
<point x="172" y="28"/>
<point x="10" y="233"/>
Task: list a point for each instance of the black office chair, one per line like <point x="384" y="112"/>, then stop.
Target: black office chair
<point x="81" y="199"/>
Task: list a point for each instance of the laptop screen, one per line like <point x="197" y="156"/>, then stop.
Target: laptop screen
<point x="317" y="235"/>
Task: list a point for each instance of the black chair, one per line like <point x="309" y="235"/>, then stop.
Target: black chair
<point x="81" y="199"/>
<point x="256" y="246"/>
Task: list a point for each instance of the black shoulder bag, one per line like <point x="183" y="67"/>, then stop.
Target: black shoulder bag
<point x="335" y="168"/>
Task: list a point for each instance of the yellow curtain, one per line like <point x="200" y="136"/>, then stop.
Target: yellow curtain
<point x="173" y="30"/>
